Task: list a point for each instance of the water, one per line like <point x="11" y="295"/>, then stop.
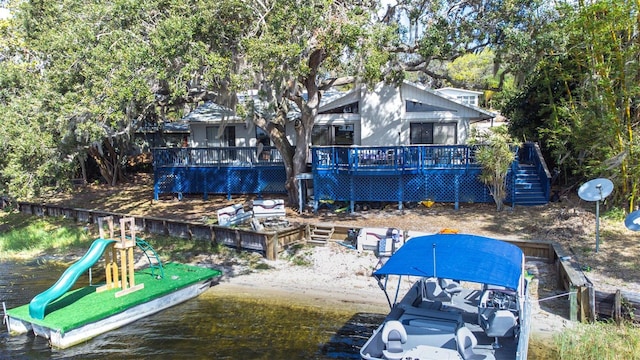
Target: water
<point x="213" y="325"/>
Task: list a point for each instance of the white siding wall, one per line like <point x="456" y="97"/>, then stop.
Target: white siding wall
<point x="384" y="121"/>
<point x="381" y="112"/>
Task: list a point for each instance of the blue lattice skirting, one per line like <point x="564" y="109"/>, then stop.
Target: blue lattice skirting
<point x="219" y="180"/>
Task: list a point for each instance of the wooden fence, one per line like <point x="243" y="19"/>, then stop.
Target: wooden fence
<point x="586" y="304"/>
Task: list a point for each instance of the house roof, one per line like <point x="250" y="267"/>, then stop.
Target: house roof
<point x="354" y="95"/>
<point x="175" y="127"/>
<point x="210" y="112"/>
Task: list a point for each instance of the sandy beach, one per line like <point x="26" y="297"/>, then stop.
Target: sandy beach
<point x="335" y="276"/>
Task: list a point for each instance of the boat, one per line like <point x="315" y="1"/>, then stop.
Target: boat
<point x="67" y="317"/>
<point x="467" y="298"/>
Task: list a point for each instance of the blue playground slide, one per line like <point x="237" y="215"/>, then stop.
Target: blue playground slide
<point x="39" y="303"/>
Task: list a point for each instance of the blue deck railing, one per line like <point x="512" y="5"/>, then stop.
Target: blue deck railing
<point x="398" y="158"/>
<point x="208" y="156"/>
<point x="442" y="173"/>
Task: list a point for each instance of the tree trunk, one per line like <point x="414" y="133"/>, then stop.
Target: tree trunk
<point x="108" y="161"/>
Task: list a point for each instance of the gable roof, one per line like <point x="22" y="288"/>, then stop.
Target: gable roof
<point x="210" y="112"/>
<point x="355" y="95"/>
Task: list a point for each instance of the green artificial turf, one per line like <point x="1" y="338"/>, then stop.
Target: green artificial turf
<point x="83" y="306"/>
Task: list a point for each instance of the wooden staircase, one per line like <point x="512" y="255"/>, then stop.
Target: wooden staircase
<point x="529" y="190"/>
<point x="320" y="234"/>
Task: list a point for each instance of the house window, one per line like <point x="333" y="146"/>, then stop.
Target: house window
<point x="433" y="133"/>
<point x="228" y="137"/>
<point x="346" y="109"/>
<point x="468" y="100"/>
<point x="320" y="135"/>
<point x="415" y="106"/>
<point x="262" y="137"/>
<point x="332" y="135"/>
<point x="343" y="135"/>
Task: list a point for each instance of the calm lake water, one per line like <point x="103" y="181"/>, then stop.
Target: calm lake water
<point x="209" y="326"/>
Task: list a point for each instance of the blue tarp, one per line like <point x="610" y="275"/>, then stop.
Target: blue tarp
<point x="458" y="256"/>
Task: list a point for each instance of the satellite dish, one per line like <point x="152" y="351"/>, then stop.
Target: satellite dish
<point x="632" y="221"/>
<point x="595" y="190"/>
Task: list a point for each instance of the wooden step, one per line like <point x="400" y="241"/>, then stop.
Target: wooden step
<point x="320" y="235"/>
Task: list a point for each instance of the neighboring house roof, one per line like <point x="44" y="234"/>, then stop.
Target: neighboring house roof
<point x="452" y="89"/>
<point x="487" y="114"/>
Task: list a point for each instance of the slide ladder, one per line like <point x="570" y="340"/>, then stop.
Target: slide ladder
<point x="146" y="249"/>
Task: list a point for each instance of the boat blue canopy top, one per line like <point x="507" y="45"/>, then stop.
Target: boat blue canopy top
<point x="461" y="257"/>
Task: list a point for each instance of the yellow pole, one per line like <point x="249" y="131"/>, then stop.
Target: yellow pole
<point x="114" y="266"/>
<point x="123" y="267"/>
<point x="108" y="264"/>
<point x="132" y="281"/>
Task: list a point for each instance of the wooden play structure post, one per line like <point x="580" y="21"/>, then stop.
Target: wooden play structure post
<point x="110" y="256"/>
<point x="124" y="248"/>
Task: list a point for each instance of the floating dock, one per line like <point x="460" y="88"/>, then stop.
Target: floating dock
<point x="84" y="313"/>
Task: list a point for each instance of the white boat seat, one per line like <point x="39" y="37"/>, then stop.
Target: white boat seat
<point x="500" y="323"/>
<point x="451" y="287"/>
<point x="431" y="290"/>
<point x="467" y="343"/>
<point x="394" y="336"/>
